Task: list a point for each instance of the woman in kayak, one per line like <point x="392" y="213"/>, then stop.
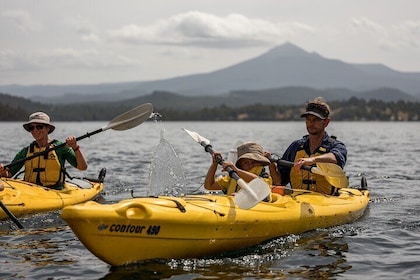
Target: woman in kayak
<point x="48" y="168"/>
<point x="250" y="165"/>
<point x="315" y="147"/>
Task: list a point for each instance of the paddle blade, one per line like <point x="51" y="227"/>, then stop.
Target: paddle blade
<point x="197" y="137"/>
<point x="332" y="173"/>
<point x="131" y="118"/>
<point x="338" y="182"/>
<point x="331" y="169"/>
<point x="252" y="193"/>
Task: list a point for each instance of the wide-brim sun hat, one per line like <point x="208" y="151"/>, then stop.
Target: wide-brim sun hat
<point x="41" y="118"/>
<point x="252" y="150"/>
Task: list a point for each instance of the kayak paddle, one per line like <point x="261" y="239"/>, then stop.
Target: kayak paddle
<point x="125" y="121"/>
<point x="250" y="193"/>
<point x="333" y="173"/>
<point x="10" y="214"/>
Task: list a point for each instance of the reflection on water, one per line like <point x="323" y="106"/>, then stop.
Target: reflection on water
<point x="315" y="255"/>
<point x="325" y="256"/>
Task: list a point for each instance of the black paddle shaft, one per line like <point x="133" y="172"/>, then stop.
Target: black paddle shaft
<point x="291" y="164"/>
<point x="2" y="206"/>
<point x="232" y="173"/>
<point x="11" y="216"/>
<point x="52" y="148"/>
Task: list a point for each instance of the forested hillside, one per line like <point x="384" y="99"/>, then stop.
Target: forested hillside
<point x="354" y="109"/>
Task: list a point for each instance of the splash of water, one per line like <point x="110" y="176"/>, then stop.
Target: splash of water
<point x="233" y="153"/>
<point x="166" y="175"/>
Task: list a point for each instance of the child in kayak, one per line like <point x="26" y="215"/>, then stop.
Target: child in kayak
<point x="250" y="164"/>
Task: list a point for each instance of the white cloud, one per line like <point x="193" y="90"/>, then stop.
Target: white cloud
<point x="61" y="58"/>
<point x="22" y="20"/>
<point x="404" y="35"/>
<point x="203" y="29"/>
<point x="366" y="25"/>
<point x="91" y="37"/>
<point x="409" y="32"/>
<point x="84" y="28"/>
<point x="89" y="58"/>
<point x="75" y="41"/>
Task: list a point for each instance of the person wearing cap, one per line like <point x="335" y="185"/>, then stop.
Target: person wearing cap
<point x="315" y="147"/>
<point x="250" y="164"/>
<point x="48" y="169"/>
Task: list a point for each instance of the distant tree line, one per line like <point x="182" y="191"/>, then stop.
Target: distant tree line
<point x="353" y="109"/>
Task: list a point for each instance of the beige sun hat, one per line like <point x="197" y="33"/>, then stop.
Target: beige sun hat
<point x="39" y="117"/>
<point x="252" y="150"/>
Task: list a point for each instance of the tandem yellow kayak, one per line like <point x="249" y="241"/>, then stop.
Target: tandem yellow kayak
<point x="24" y="198"/>
<point x="165" y="227"/>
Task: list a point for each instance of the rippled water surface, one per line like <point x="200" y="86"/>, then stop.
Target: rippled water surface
<point x="383" y="244"/>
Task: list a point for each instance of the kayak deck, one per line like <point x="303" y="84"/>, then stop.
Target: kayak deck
<point x="24" y="198"/>
<point x="147" y="228"/>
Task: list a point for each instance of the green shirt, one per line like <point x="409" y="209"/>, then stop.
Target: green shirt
<point x="63" y="153"/>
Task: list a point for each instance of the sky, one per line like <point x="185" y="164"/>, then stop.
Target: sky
<point x="60" y="42"/>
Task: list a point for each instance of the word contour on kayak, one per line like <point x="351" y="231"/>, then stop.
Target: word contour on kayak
<point x="134" y="229"/>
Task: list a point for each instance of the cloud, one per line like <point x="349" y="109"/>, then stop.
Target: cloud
<point x="12" y="60"/>
<point x="202" y="29"/>
<point x="367" y="25"/>
<point x="404" y="35"/>
<point x="409" y="32"/>
<point x="62" y="58"/>
<point x="22" y="20"/>
<point x="84" y="28"/>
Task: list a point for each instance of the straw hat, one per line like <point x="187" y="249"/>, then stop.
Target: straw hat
<point x="252" y="150"/>
<point x="39" y="117"/>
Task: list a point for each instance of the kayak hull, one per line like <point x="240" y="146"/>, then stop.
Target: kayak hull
<point x="24" y="198"/>
<point x="148" y="228"/>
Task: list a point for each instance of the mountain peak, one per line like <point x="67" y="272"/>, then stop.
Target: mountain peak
<point x="282" y="66"/>
<point x="286" y="49"/>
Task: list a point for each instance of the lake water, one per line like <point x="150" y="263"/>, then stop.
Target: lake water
<point x="383" y="244"/>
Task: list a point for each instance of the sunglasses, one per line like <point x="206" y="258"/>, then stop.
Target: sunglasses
<point x="38" y="127"/>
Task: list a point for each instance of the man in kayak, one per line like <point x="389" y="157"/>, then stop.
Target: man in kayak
<point x="250" y="164"/>
<point x="48" y="169"/>
<point x="315" y="147"/>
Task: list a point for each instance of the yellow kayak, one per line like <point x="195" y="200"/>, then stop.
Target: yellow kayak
<point x="24" y="198"/>
<point x="166" y="227"/>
